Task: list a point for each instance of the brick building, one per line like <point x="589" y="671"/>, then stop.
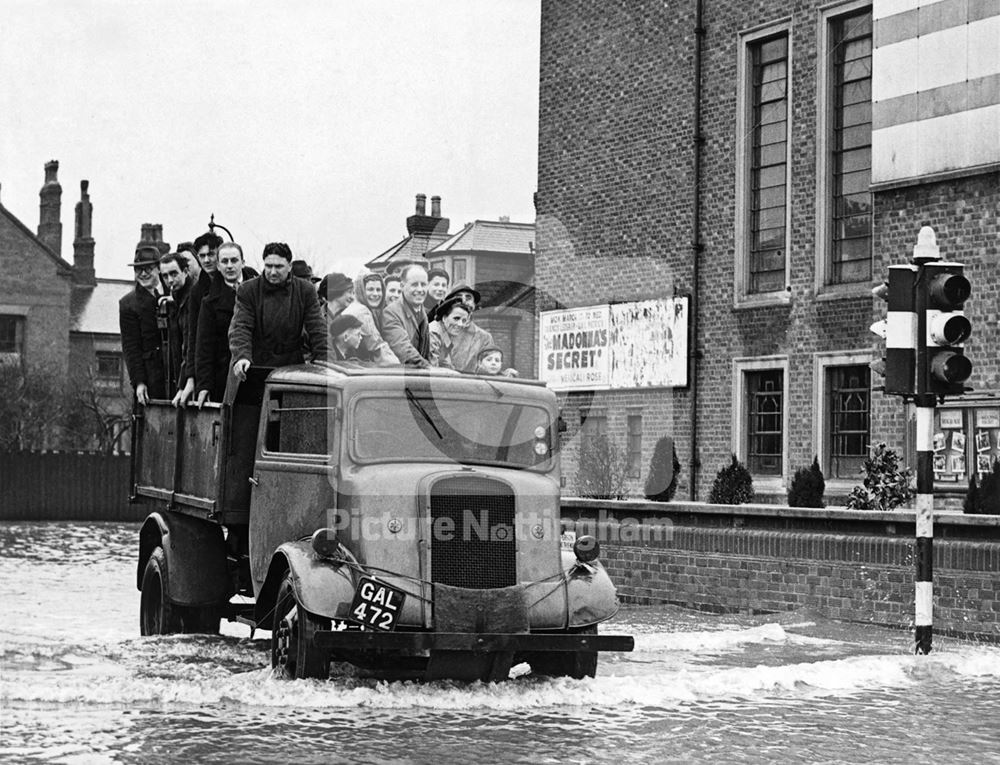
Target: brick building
<point x="59" y="322"/>
<point x="769" y="162"/>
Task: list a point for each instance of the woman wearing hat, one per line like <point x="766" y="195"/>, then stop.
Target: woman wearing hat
<point x="141" y="344"/>
<point x="467" y="343"/>
<point x="449" y="318"/>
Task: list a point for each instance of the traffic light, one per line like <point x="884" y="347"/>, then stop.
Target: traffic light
<point x="943" y="365"/>
<point x="899" y="329"/>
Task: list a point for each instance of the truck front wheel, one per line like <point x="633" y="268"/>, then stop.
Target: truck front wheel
<point x="293" y="653"/>
<point x="157" y="615"/>
<point x="578" y="664"/>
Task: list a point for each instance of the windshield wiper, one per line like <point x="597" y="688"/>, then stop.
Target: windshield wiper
<point x="496" y="391"/>
<point x="415" y="402"/>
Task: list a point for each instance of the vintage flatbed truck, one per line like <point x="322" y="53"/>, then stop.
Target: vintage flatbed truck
<point x="404" y="521"/>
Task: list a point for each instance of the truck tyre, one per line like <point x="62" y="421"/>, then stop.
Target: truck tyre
<point x="577" y="664"/>
<point x="157" y="615"/>
<point x="293" y="653"/>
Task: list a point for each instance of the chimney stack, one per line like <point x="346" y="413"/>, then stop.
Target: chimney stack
<point x="83" y="242"/>
<point x="49" y="227"/>
<point x="422" y="223"/>
<point x="152" y="233"/>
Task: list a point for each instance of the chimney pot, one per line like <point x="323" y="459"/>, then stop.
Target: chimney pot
<point x="51" y="169"/>
<point x="435" y="207"/>
<point x="421" y="204"/>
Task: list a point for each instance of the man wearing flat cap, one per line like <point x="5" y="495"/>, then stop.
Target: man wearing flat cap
<point x="141" y="343"/>
<point x="346" y="340"/>
<point x="276" y="315"/>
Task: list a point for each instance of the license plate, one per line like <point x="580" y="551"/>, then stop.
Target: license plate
<point x="376" y="604"/>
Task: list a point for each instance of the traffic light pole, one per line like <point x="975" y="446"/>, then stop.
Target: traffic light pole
<point x="925" y="402"/>
<point x="925" y="525"/>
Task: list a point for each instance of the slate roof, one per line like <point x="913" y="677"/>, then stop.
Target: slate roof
<point x="95" y="309"/>
<point x="491" y="236"/>
<point x="412" y="247"/>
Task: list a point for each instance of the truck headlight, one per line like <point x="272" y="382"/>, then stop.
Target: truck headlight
<point x="586" y="548"/>
<point x="325" y="544"/>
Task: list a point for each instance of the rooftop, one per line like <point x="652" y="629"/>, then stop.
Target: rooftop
<point x="95" y="309"/>
<point x="491" y="236"/>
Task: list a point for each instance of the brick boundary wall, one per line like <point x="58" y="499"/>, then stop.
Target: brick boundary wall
<point x="846" y="565"/>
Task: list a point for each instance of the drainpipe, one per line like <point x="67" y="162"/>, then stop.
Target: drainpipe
<point x="698" y="141"/>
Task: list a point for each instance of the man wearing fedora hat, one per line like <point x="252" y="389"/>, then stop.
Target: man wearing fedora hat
<point x="303" y="270"/>
<point x="141" y="344"/>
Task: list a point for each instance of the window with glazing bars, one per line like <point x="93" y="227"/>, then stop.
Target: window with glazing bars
<point x="849" y="398"/>
<point x="12" y="334"/>
<point x="765" y="435"/>
<point x="109" y="369"/>
<point x="591" y="425"/>
<point x="634" y="445"/>
<point x="851" y="157"/>
<point x="768" y="169"/>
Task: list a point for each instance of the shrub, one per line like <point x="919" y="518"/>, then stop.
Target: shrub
<point x="807" y="487"/>
<point x="664" y="468"/>
<point x="886" y="486"/>
<point x="603" y="469"/>
<point x="984" y="498"/>
<point x="971" y="504"/>
<point x="733" y="485"/>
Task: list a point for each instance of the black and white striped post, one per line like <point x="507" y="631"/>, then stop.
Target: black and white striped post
<point x="925" y="251"/>
<point x="924" y="617"/>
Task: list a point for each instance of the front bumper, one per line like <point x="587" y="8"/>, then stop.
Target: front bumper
<point x="486" y="642"/>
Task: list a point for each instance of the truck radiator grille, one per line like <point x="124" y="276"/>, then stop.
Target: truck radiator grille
<point x="480" y="552"/>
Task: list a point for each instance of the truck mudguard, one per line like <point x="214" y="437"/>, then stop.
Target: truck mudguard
<point x="197" y="571"/>
<point x="320" y="585"/>
<point x="590" y="592"/>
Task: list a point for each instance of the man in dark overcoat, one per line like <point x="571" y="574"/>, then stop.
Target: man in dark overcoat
<point x="276" y="314"/>
<point x="141" y="344"/>
<point x="206" y="254"/>
<point x="212" y="355"/>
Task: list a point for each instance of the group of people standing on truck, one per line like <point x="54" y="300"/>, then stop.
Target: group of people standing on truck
<point x="200" y="313"/>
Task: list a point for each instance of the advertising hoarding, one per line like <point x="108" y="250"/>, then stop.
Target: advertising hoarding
<point x="624" y="346"/>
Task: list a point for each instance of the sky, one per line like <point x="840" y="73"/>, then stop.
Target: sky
<point x="314" y="123"/>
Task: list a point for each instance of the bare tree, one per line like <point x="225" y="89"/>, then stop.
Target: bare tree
<point x="33" y="408"/>
<point x="97" y="421"/>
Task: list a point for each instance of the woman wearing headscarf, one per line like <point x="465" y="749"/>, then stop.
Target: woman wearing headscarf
<point x="366" y="306"/>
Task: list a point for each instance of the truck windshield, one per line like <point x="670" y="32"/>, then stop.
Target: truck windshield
<point x="423" y="427"/>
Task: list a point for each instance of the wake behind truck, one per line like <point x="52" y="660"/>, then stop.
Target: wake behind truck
<point x="403" y="521"/>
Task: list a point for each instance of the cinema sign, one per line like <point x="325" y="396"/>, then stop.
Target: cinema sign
<point x="615" y="347"/>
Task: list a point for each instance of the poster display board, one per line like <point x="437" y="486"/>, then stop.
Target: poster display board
<point x="615" y="347"/>
<point x="966" y="441"/>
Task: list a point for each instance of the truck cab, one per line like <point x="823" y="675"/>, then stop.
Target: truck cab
<point x="405" y="521"/>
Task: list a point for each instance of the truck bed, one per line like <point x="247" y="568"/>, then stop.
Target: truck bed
<point x="197" y="461"/>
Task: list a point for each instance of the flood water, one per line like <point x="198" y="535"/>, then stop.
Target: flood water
<point x="78" y="685"/>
